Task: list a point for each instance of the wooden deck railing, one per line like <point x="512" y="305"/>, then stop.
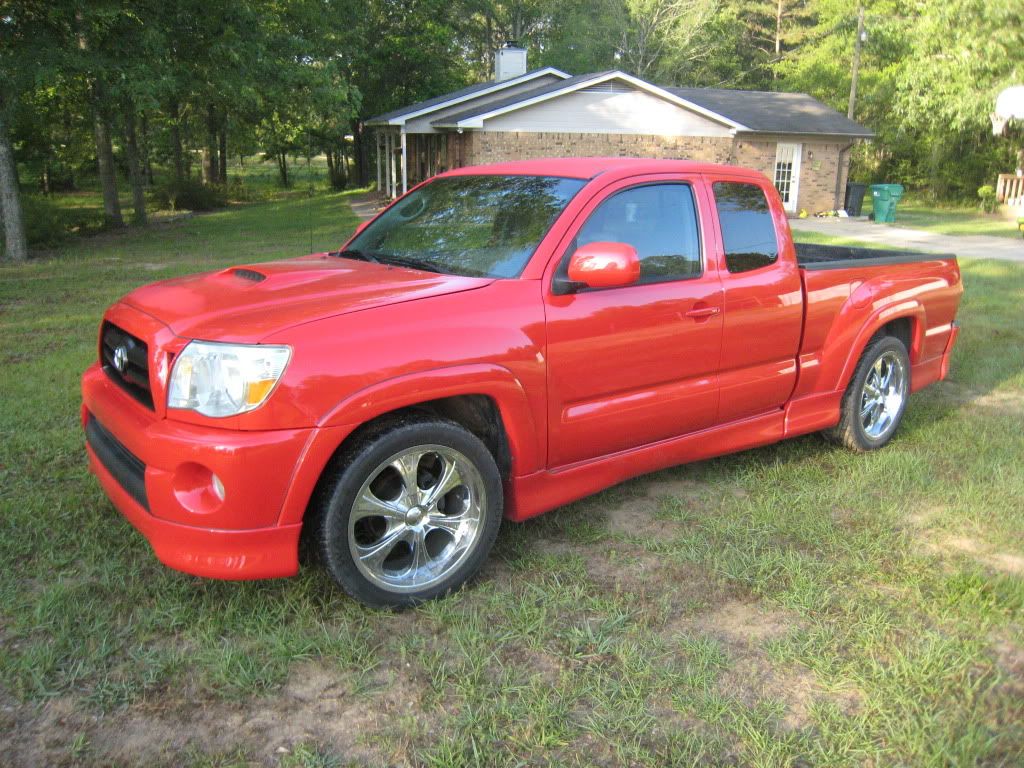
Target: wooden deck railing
<point x="1010" y="189"/>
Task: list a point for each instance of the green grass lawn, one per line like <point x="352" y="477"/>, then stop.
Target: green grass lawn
<point x="792" y="605"/>
<point x="916" y="213"/>
<point x="250" y="179"/>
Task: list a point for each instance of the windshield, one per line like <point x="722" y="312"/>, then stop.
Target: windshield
<point x="481" y="226"/>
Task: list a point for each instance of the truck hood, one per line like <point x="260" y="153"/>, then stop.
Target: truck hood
<point x="247" y="303"/>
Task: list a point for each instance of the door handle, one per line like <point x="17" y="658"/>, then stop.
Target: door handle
<point x="702" y="313"/>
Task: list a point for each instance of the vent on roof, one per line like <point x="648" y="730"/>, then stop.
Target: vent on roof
<point x="611" y="86"/>
<point x="250" y="274"/>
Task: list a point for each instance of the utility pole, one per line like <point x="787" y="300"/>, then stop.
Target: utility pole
<point x="858" y="44"/>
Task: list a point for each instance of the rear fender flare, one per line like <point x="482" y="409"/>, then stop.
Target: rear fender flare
<point x="878" y="319"/>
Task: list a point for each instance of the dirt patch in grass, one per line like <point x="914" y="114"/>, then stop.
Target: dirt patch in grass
<point x="662" y="502"/>
<point x="751" y="677"/>
<point x="745" y="624"/>
<point x="945" y="544"/>
<point x="959" y="544"/>
<point x="317" y="704"/>
<point x="1010" y="663"/>
<point x="536" y="663"/>
<point x="1009" y="401"/>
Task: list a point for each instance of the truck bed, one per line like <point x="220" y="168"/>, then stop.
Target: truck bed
<point x="815" y="256"/>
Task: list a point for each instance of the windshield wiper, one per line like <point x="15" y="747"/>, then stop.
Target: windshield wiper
<point x="401" y="261"/>
<point x="352" y="253"/>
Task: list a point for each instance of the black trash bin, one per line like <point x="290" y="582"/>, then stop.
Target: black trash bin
<point x="855" y="198"/>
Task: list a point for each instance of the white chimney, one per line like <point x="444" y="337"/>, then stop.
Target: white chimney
<point x="509" y="61"/>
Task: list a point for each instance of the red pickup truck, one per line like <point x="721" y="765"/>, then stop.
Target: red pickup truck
<point x="498" y="342"/>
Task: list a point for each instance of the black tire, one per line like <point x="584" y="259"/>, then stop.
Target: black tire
<point x="363" y="463"/>
<point x="851" y="431"/>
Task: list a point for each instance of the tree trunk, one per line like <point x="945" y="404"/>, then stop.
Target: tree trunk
<point x="330" y="165"/>
<point x="47" y="173"/>
<point x="15" y="242"/>
<point x="147" y="165"/>
<point x="108" y="178"/>
<point x="222" y="168"/>
<point x="211" y="168"/>
<point x="176" y="151"/>
<point x="358" y="150"/>
<point x="282" y="168"/>
<point x="138" y="181"/>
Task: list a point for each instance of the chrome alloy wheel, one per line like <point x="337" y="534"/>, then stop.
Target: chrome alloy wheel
<point x="883" y="396"/>
<point x="416" y="518"/>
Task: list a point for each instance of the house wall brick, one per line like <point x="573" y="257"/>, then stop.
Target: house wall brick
<point x="819" y="165"/>
<point x="497" y="147"/>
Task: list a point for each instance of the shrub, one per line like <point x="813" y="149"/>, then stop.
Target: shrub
<point x="987" y="196"/>
<point x="45" y="223"/>
<point x="190" y="195"/>
<point x="237" y="192"/>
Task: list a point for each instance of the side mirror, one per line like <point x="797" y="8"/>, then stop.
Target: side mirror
<point x="362" y="225"/>
<point x="601" y="265"/>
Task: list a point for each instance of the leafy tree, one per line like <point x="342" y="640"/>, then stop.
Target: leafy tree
<point x="657" y="29"/>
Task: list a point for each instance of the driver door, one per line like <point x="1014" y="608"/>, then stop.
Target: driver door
<point x="633" y="365"/>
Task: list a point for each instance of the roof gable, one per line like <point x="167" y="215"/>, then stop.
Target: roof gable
<point x="401" y="115"/>
<point x="474" y="116"/>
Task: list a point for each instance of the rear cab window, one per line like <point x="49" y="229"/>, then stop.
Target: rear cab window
<point x="748" y="228"/>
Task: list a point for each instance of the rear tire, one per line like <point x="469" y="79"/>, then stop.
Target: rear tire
<point x="876" y="398"/>
<point x="409" y="512"/>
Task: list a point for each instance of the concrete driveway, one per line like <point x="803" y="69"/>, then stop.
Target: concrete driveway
<point x="976" y="246"/>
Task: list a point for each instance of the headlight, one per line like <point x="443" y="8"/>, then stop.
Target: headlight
<point x="225" y="379"/>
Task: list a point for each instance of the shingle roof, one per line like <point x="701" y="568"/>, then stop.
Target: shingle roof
<point x="490" y="106"/>
<point x="773" y="112"/>
<point x="469" y="90"/>
<point x="750" y="111"/>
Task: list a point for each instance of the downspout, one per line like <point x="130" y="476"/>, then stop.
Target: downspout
<point x="839" y="177"/>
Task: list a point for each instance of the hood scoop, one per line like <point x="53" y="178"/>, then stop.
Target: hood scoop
<point x="250" y="274"/>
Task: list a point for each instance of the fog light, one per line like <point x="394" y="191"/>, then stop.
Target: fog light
<point x="197" y="488"/>
<point x="218" y="487"/>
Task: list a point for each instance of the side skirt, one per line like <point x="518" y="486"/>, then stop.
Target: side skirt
<point x="531" y="495"/>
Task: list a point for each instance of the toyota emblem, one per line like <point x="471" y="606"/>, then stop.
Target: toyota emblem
<point x="121" y="358"/>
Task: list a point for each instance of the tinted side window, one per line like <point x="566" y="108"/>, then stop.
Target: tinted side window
<point x="659" y="220"/>
<point x="748" y="230"/>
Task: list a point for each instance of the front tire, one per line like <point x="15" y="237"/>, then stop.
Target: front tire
<point x="409" y="513"/>
<point x="876" y="397"/>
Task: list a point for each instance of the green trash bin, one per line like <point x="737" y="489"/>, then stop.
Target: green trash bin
<point x="885" y="197"/>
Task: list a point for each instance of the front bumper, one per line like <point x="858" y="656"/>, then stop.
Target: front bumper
<point x="160" y="475"/>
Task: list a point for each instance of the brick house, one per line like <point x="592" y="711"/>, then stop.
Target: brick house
<point x="800" y="143"/>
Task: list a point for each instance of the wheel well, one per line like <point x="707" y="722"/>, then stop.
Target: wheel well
<point x="477" y="413"/>
<point x="901" y="328"/>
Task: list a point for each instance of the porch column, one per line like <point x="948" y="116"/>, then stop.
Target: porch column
<point x="387" y="164"/>
<point x="380" y="172"/>
<point x="405" y="164"/>
<point x="391" y="166"/>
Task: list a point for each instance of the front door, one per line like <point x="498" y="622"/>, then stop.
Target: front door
<point x="787" y="174"/>
<point x="633" y="365"/>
